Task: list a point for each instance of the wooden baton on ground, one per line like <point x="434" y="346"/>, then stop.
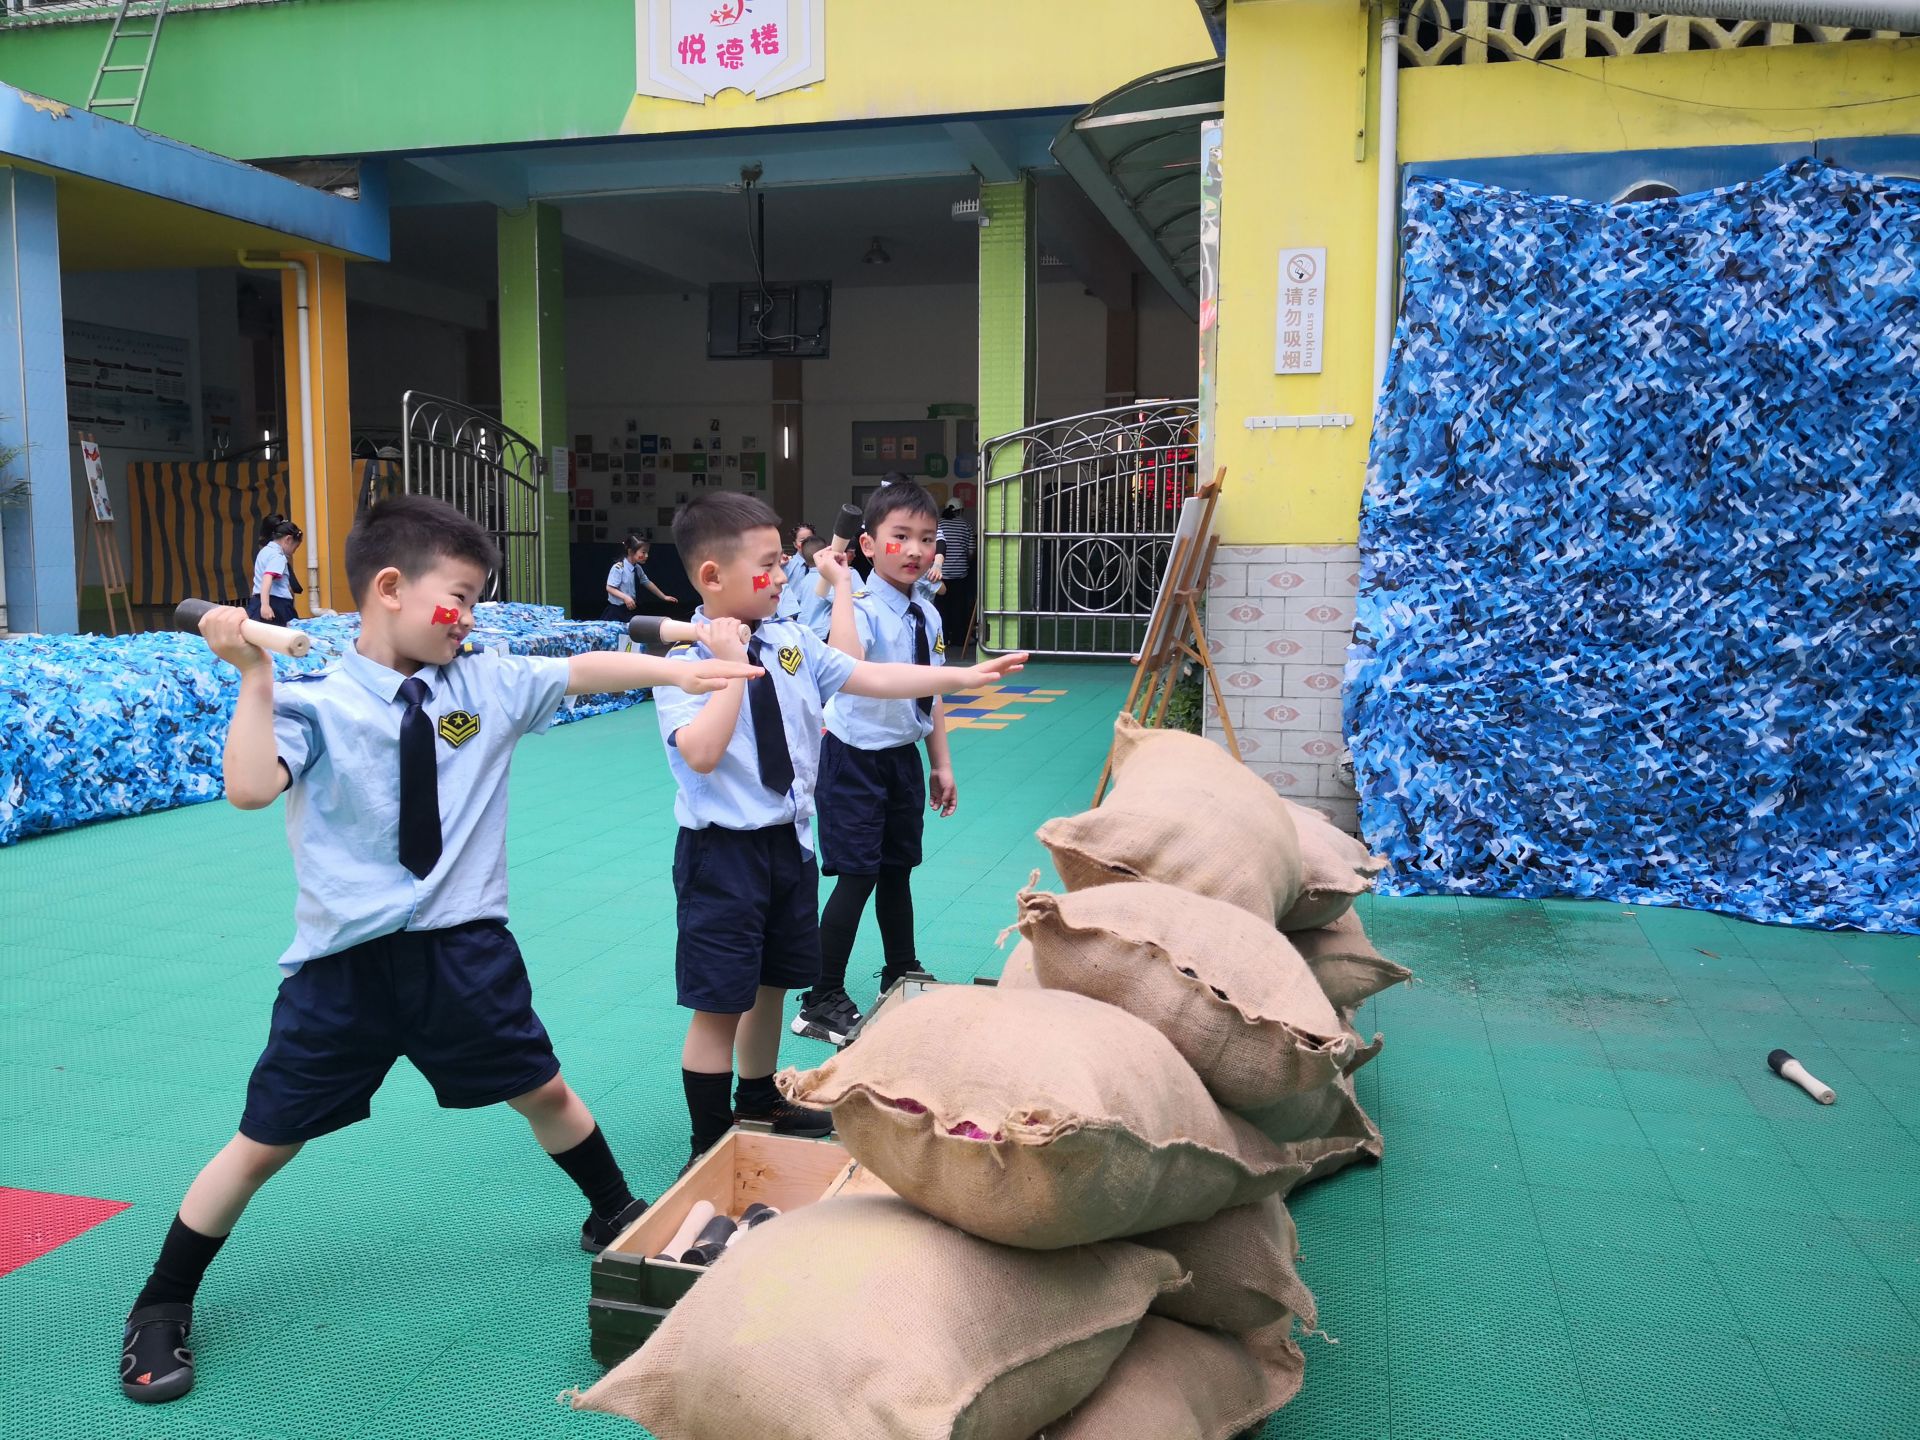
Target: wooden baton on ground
<point x="186" y="616"/>
<point x="1788" y="1068"/>
<point x="846" y="528"/>
<point x="659" y="630"/>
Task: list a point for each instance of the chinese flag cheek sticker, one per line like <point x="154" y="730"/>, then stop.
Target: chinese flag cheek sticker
<point x="445" y="615"/>
<point x="893" y="547"/>
<point x="760" y="582"/>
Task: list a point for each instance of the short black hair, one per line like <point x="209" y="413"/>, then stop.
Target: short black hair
<point x="637" y="543"/>
<point x="275" y="526"/>
<point x="709" y="526"/>
<point x="810" y="547"/>
<point x="889" y="500"/>
<point x="410" y="533"/>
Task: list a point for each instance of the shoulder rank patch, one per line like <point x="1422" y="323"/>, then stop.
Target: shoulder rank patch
<point x="685" y="647"/>
<point x="939" y="644"/>
<point x="859" y="594"/>
<point x="459" y="726"/>
<point x="790" y="659"/>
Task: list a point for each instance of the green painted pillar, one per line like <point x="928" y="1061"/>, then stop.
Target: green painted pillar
<point x="533" y="366"/>
<point x="1009" y="281"/>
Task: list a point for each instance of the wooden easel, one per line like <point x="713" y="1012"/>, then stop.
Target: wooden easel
<point x="1174" y="632"/>
<point x="113" y="578"/>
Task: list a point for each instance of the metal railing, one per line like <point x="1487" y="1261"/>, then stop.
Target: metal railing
<point x="489" y="473"/>
<point x="1076" y="525"/>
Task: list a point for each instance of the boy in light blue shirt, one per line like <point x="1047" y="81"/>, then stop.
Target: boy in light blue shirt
<point x="873" y="793"/>
<point x="745" y="760"/>
<point x="394" y="763"/>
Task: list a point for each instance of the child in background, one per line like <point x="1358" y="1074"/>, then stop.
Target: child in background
<point x="744" y="759"/>
<point x="271" y="598"/>
<point x="627" y="579"/>
<point x="873" y="793"/>
<point x="815" y="611"/>
<point x="394" y="762"/>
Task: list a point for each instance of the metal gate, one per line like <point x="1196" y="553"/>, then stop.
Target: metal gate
<point x="485" y="471"/>
<point x="1075" y="537"/>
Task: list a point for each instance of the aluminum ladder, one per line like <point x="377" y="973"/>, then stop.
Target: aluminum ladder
<point x="110" y="65"/>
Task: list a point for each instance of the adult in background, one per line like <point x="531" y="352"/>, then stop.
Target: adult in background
<point x="959" y="572"/>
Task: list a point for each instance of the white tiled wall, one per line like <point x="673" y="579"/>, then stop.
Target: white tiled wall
<point x="1278" y="620"/>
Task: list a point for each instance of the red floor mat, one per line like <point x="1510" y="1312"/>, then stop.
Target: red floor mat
<point x="32" y="1222"/>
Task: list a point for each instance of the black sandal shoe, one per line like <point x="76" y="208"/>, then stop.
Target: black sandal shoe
<point x="155" y="1365"/>
<point x="596" y="1234"/>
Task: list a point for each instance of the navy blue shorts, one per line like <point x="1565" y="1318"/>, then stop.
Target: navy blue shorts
<point x="749" y="916"/>
<point x="873" y="807"/>
<point x="456" y="1002"/>
<point x="281" y="613"/>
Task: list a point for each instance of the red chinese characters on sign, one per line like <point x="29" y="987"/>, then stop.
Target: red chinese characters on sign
<point x="766" y="39"/>
<point x="719" y="45"/>
<point x="732" y="53"/>
<point x="693" y="49"/>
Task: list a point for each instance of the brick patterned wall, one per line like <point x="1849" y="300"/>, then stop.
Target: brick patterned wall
<point x="1278" y="620"/>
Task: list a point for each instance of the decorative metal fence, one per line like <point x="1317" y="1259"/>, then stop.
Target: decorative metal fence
<point x="1076" y="525"/>
<point x="484" y="470"/>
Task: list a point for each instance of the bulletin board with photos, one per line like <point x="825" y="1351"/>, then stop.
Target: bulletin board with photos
<point x="636" y="480"/>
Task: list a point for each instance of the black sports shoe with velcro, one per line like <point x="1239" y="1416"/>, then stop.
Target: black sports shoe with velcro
<point x="155" y="1364"/>
<point x="597" y="1232"/>
<point x="832" y="1018"/>
<point x="788" y="1118"/>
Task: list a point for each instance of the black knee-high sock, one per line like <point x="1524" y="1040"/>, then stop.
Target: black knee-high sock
<point x="709" y="1104"/>
<point x="839" y="923"/>
<point x="184" y="1257"/>
<point x="893" y="906"/>
<point x="591" y="1166"/>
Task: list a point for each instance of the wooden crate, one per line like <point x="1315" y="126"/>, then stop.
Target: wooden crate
<point x="633" y="1289"/>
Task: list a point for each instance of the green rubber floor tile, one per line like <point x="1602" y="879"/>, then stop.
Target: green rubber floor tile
<point x="1573" y="1084"/>
<point x="1786" y="1302"/>
<point x="1653" y="1090"/>
<point x="1845" y="1391"/>
<point x="1677" y="1381"/>
<point x="1558" y="1120"/>
<point x="1593" y="1168"/>
<point x="1600" y="1286"/>
<point x="1645" y="1225"/>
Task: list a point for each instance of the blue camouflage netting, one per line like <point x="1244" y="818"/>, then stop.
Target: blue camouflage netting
<point x="1639" y="608"/>
<point x="93" y="727"/>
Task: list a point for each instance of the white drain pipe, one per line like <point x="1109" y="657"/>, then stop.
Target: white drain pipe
<point x="1387" y="230"/>
<point x="309" y="482"/>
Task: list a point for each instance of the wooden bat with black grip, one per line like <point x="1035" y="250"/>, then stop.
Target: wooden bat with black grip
<point x="659" y="630"/>
<point x="186" y="616"/>
<point x="846" y="529"/>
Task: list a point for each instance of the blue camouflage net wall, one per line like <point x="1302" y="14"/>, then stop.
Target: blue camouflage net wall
<point x="93" y="727"/>
<point x="1639" y="603"/>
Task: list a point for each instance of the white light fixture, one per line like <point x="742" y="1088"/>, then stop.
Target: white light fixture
<point x="786" y="442"/>
<point x="877" y="254"/>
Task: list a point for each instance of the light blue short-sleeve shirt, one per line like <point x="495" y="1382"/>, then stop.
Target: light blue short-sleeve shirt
<point x="886" y="636"/>
<point x="338" y="733"/>
<point x="627" y="577"/>
<point x="272" y="560"/>
<point x="806" y="674"/>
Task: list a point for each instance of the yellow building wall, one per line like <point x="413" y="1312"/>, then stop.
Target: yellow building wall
<point x="887" y="59"/>
<point x="1300" y="85"/>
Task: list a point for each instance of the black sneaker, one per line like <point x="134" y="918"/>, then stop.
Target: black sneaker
<point x="831" y="1017"/>
<point x="597" y="1233"/>
<point x="155" y="1364"/>
<point x="889" y="977"/>
<point x="788" y="1118"/>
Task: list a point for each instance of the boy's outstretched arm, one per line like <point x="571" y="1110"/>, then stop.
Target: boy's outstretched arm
<point x="250" y="764"/>
<point x="943" y="794"/>
<point x="600" y="672"/>
<point x="910" y="682"/>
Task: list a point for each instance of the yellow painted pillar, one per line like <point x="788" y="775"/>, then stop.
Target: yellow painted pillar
<point x="335" y="497"/>
<point x="1297" y="91"/>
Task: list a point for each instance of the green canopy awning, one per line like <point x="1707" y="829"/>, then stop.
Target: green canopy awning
<point x="1136" y="154"/>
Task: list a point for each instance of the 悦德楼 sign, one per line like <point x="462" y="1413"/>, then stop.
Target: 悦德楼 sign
<point x="1300" y="314"/>
<point x="693" y="49"/>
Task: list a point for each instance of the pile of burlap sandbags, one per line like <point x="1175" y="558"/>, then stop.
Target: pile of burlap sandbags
<point x="1087" y="1237"/>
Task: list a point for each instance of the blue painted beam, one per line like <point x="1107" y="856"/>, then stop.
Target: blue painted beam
<point x="42" y="582"/>
<point x="58" y="137"/>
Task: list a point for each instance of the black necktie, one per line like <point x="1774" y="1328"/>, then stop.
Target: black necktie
<point x="922" y="652"/>
<point x="769" y="731"/>
<point x="419" y="782"/>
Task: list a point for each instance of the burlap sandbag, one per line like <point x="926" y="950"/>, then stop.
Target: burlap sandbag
<point x="1039" y="1118"/>
<point x="859" y="1317"/>
<point x="1242" y="1271"/>
<point x="1336" y="869"/>
<point x="1322" y="1131"/>
<point x="1224" y="986"/>
<point x="1178" y="1383"/>
<point x="1183" y="812"/>
<point x="1350" y="971"/>
<point x="1018" y="974"/>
